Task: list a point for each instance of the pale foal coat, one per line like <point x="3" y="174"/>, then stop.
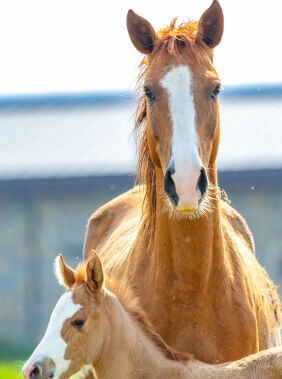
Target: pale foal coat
<point x="275" y="339"/>
<point x="52" y="344"/>
<point x="185" y="156"/>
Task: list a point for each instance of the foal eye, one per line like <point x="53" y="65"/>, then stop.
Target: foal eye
<point x="149" y="95"/>
<point x="78" y="323"/>
<point x="216" y="91"/>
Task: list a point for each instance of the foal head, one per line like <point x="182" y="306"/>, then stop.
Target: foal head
<point x="86" y="325"/>
<point x="180" y="103"/>
<point x="78" y="325"/>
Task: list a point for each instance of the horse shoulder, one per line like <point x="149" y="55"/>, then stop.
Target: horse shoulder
<point x="114" y="221"/>
<point x="263" y="289"/>
<point x="238" y="224"/>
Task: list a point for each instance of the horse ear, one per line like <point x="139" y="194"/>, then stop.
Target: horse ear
<point x="211" y="25"/>
<point x="141" y="32"/>
<point x="63" y="272"/>
<point x="94" y="272"/>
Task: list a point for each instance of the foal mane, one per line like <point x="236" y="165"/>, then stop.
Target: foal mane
<point x="171" y="40"/>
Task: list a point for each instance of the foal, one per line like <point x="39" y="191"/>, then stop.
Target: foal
<point x="90" y="326"/>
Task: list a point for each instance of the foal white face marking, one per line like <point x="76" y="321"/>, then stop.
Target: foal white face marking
<point x="52" y="344"/>
<point x="184" y="144"/>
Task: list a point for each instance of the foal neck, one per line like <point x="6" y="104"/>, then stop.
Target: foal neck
<point x="128" y="352"/>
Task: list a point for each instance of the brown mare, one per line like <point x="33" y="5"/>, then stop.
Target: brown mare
<point x="186" y="254"/>
<point x="90" y="325"/>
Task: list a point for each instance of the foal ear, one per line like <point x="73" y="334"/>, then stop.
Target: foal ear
<point x="94" y="272"/>
<point x="63" y="272"/>
<point x="211" y="25"/>
<point x="141" y="32"/>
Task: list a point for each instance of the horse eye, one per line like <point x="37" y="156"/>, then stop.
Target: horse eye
<point x="216" y="91"/>
<point x="149" y="95"/>
<point x="78" y="323"/>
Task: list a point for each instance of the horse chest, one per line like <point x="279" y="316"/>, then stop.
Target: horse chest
<point x="189" y="323"/>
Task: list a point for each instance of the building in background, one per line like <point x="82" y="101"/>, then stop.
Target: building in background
<point x="61" y="157"/>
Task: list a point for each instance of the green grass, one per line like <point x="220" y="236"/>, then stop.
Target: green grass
<point x="12" y="359"/>
<point x="10" y="370"/>
<point x="13" y="370"/>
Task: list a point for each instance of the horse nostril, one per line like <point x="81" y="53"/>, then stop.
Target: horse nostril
<point x="203" y="182"/>
<point x="169" y="186"/>
<point x="35" y="372"/>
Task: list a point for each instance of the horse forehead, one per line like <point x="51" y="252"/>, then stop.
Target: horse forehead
<point x="177" y="78"/>
<point x="64" y="309"/>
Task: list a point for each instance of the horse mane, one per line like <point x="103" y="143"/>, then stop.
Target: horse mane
<point x="171" y="40"/>
<point x="131" y="303"/>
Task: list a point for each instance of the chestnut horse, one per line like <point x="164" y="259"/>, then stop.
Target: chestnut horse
<point x="90" y="325"/>
<point x="186" y="254"/>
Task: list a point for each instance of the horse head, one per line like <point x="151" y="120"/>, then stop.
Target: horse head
<point x="180" y="89"/>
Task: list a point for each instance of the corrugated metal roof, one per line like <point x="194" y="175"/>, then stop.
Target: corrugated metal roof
<point x="66" y="142"/>
<point x="88" y="138"/>
<point x="251" y="134"/>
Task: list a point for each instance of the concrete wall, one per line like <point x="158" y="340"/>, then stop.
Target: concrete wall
<point x="39" y="220"/>
<point x="257" y="195"/>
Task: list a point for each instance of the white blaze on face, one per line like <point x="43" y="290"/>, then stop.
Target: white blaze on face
<point x="184" y="144"/>
<point x="52" y="345"/>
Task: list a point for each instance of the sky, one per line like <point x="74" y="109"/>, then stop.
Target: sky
<point x="52" y="46"/>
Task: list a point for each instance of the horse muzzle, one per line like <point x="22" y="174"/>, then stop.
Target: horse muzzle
<point x="186" y="192"/>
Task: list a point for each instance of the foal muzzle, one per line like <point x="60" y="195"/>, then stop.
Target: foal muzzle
<point x="39" y="370"/>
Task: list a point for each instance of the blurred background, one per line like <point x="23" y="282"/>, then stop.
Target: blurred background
<point x="67" y="73"/>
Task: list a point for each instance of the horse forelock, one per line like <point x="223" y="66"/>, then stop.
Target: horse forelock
<point x="80" y="273"/>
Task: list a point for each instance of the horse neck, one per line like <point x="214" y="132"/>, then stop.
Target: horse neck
<point x="129" y="353"/>
<point x="187" y="243"/>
